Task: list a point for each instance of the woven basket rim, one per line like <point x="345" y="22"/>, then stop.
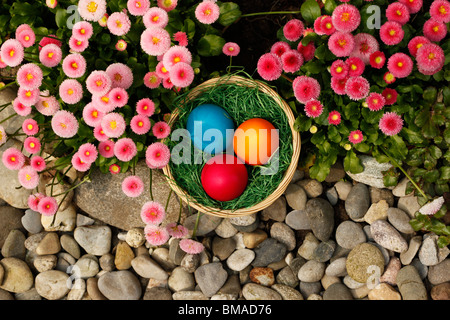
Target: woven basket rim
<point x="296" y="141"/>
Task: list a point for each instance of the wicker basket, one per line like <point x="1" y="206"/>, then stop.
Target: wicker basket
<point x="288" y="174"/>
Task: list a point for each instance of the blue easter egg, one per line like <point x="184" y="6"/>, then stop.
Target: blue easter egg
<point x="211" y="128"/>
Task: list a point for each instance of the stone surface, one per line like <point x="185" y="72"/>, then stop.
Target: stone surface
<point x="410" y="284"/>
<point x="311" y="271"/>
<point x="357" y="202"/>
<point x="276" y="211"/>
<point x="181" y="280"/>
<point x="120" y="285"/>
<point x="254" y="291"/>
<point x="210" y="278"/>
<point x="384" y="291"/>
<point x="11" y="219"/>
<point x="439" y="273"/>
<point x="387" y="236"/>
<point x="296" y="197"/>
<point x="377" y="211"/>
<point x="240" y="259"/>
<point x="14" y="245"/>
<point x="95" y="240"/>
<point x="253" y="239"/>
<point x="49" y="244"/>
<point x="263" y="276"/>
<point x="268" y="251"/>
<point x="321" y="218"/>
<point x="31" y="221"/>
<point x="429" y="251"/>
<point x="337" y="291"/>
<point x="298" y="220"/>
<point x="409" y="204"/>
<point x="17" y="276"/>
<point x="363" y="260"/>
<point x="400" y="220"/>
<point x="124" y="256"/>
<point x="372" y="174"/>
<point x="441" y="291"/>
<point x="312" y="187"/>
<point x="284" y="234"/>
<point x="349" y="234"/>
<point x="104" y="199"/>
<point x="52" y="284"/>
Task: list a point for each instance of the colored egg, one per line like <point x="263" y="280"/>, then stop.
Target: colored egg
<point x="211" y="128"/>
<point x="255" y="141"/>
<point x="224" y="177"/>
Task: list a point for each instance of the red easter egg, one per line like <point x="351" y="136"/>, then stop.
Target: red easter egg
<point x="224" y="177"/>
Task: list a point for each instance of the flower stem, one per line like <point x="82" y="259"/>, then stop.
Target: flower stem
<point x="7" y="85"/>
<point x="168" y="198"/>
<point x="179" y="214"/>
<point x="194" y="232"/>
<point x="270" y="12"/>
<point x="151" y="183"/>
<point x="6" y="119"/>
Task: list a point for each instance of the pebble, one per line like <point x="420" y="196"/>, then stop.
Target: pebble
<point x="263" y="276"/>
<point x="157" y="293"/>
<point x="49" y="244"/>
<point x="363" y="260"/>
<point x="52" y="284"/>
<point x="120" y="285"/>
<point x="222" y="248"/>
<point x="94" y="240"/>
<point x="410" y="284"/>
<point x="225" y="229"/>
<point x="69" y="244"/>
<point x="332" y="196"/>
<point x="247" y="228"/>
<point x="428" y="252"/>
<point x="414" y="244"/>
<point x="312" y="187"/>
<point x="327" y="281"/>
<point x="14" y="245"/>
<point x="17" y="276"/>
<point x="244" y="221"/>
<point x="390" y="274"/>
<point x="439" y="273"/>
<point x="343" y="188"/>
<point x="384" y="291"/>
<point x="240" y="259"/>
<point x="106" y="262"/>
<point x="337" y="268"/>
<point x="189" y="295"/>
<point x="409" y="204"/>
<point x="253" y="239"/>
<point x="287" y="277"/>
<point x="296" y="197"/>
<point x="31" y="221"/>
<point x="181" y="280"/>
<point x="78" y="290"/>
<point x="284" y="234"/>
<point x="87" y="266"/>
<point x="45" y="263"/>
<point x="93" y="290"/>
<point x="311" y="271"/>
<point x="324" y="251"/>
<point x="298" y="220"/>
<point x="400" y="220"/>
<point x="377" y="211"/>
<point x="321" y="217"/>
<point x="268" y="251"/>
<point x="210" y="278"/>
<point x="337" y="291"/>
<point x="387" y="236"/>
<point x="254" y="291"/>
<point x="286" y="292"/>
<point x="441" y="291"/>
<point x="176" y="254"/>
<point x="191" y="262"/>
<point x="135" y="237"/>
<point x="124" y="256"/>
<point x="357" y="202"/>
<point x="309" y="245"/>
<point x="276" y="211"/>
<point x="377" y="194"/>
<point x="349" y="234"/>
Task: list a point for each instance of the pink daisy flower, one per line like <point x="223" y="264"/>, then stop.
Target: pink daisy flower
<point x="3" y="135"/>
<point x="98" y="83"/>
<point x="390" y="96"/>
<point x="153" y="213"/>
<point x="430" y="58"/>
<point x="156" y="17"/>
<point x="181" y="38"/>
<point x="79" y="164"/>
<point x="391" y="33"/>
<point x="78" y="45"/>
<point x="432" y="207"/>
<point x="152" y="80"/>
<point x="389" y="78"/>
<point x="291" y="60"/>
<point x="104" y="20"/>
<point x="341" y="44"/>
<point x="99" y="134"/>
<point x="125" y="149"/>
<point x="48" y="106"/>
<point x="47" y="206"/>
<point x="306" y="88"/>
<point x="106" y="149"/>
<point x="145" y="107"/>
<point x="181" y="75"/>
<point x="138" y="7"/>
<point x="74" y="65"/>
<point x="30" y="127"/>
<point x="140" y="124"/>
<point x="167" y="83"/>
<point x="339" y="69"/>
<point x="377" y="60"/>
<point x="82" y="30"/>
<point x="103" y="103"/>
<point x="119" y="97"/>
<point x="33" y="201"/>
<point x="175" y="55"/>
<point x="338" y="85"/>
<point x="318" y="26"/>
<point x="365" y="46"/>
<point x="91" y="115"/>
<point x="113" y="125"/>
<point x="293" y="29"/>
<point x="114" y="169"/>
<point x="176" y="230"/>
<point x="49" y="40"/>
<point x="390" y="123"/>
<point x="269" y="66"/>
<point x="21" y="109"/>
<point x="434" y="30"/>
<point x="92" y="10"/>
<point x="28" y="177"/>
<point x="357" y="88"/>
<point x="415" y="43"/>
<point x="71" y="91"/>
<point x="161" y="71"/>
<point x="120" y="74"/>
<point x="121" y="45"/>
<point x="280" y="47"/>
<point x="155" y="41"/>
<point x="375" y="101"/>
<point x="118" y="23"/>
<point x="440" y="11"/>
<point x="356" y="136"/>
<point x="161" y="130"/>
<point x="132" y="186"/>
<point x="32" y="145"/>
<point x="28" y="97"/>
<point x="12" y="52"/>
<point x="231" y="49"/>
<point x="191" y="246"/>
<point x="37" y="163"/>
<point x="397" y="12"/>
<point x="64" y="124"/>
<point x="346" y="18"/>
<point x="355" y="66"/>
<point x="13" y="159"/>
<point x="25" y="35"/>
<point x="414" y="6"/>
<point x="334" y="118"/>
<point x="400" y="65"/>
<point x="50" y="55"/>
<point x="167" y="5"/>
<point x="307" y="51"/>
<point x="157" y="155"/>
<point x="155" y="235"/>
<point x="87" y="152"/>
<point x="207" y="12"/>
<point x="326" y="25"/>
<point x="313" y="108"/>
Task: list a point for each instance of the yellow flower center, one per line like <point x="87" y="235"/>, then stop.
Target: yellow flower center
<point x="155" y="18"/>
<point x="63" y="125"/>
<point x="50" y="55"/>
<point x="155" y="40"/>
<point x="356" y="136"/>
<point x="27" y="38"/>
<point x="99" y="83"/>
<point x="70" y="92"/>
<point x="392" y="32"/>
<point x="342" y="42"/>
<point x="138" y="4"/>
<point x="163" y="69"/>
<point x="28" y="93"/>
<point x="145" y="107"/>
<point x="334" y="117"/>
<point x="167" y="3"/>
<point x="92" y="7"/>
<point x="328" y="25"/>
<point x="32" y="144"/>
<point x="119" y="24"/>
<point x="378" y="59"/>
<point x="230" y="49"/>
<point x="13" y="159"/>
<point x="431" y="56"/>
<point x="105" y="99"/>
<point x="345" y="16"/>
<point x="176" y="59"/>
<point x="442" y="10"/>
<point x="400" y="64"/>
<point x="375" y="101"/>
<point x="74" y="65"/>
<point x="113" y="125"/>
<point x="95" y="114"/>
<point x="29" y="77"/>
<point x="390" y="77"/>
<point x="399" y="13"/>
<point x="419" y="45"/>
<point x="79" y="43"/>
<point x="117" y="77"/>
<point x="45" y="104"/>
<point x="435" y="28"/>
<point x="82" y="31"/>
<point x="207" y="12"/>
<point x="28" y="177"/>
<point x="87" y="153"/>
<point x="339" y="69"/>
<point x="11" y="53"/>
<point x="354" y="67"/>
<point x="140" y="124"/>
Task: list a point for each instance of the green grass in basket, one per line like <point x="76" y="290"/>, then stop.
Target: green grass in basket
<point x="242" y="103"/>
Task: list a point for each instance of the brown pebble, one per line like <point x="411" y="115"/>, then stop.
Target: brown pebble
<point x="263" y="276"/>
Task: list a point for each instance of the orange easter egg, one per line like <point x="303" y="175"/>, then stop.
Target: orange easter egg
<point x="255" y="141"/>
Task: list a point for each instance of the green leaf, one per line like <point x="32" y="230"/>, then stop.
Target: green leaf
<point x="310" y="11"/>
<point x="210" y="45"/>
<point x="445" y="173"/>
<point x="431" y="176"/>
<point x="352" y="163"/>
<point x="229" y="13"/>
<point x="329" y="6"/>
<point x="61" y="17"/>
<point x="310" y="37"/>
<point x="435" y="152"/>
<point x="319" y="170"/>
<point x="314" y="67"/>
<point x="430" y="94"/>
